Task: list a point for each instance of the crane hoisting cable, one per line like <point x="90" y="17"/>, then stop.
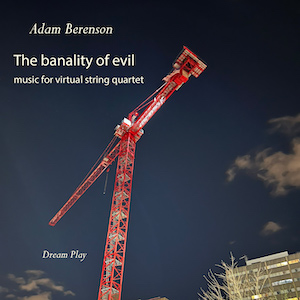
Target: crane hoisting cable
<point x="105" y="184"/>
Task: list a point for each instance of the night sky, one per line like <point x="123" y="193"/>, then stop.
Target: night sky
<point x="217" y="170"/>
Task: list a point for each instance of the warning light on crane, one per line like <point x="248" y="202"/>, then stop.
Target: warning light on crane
<point x="129" y="132"/>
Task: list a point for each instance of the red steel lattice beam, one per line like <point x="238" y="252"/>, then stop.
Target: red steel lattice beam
<point x="104" y="164"/>
<point x="114" y="255"/>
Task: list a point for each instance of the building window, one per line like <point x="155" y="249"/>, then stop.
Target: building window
<point x="280" y="282"/>
<point x="294" y="261"/>
<point x="284" y="263"/>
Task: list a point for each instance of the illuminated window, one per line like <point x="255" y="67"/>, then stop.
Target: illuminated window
<point x="294" y="261"/>
<point x="284" y="263"/>
<point x="280" y="282"/>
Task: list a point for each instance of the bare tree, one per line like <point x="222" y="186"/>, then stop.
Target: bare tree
<point x="232" y="284"/>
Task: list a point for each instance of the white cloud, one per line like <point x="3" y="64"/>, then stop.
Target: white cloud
<point x="287" y="125"/>
<point x="36" y="284"/>
<point x="47" y="282"/>
<point x="19" y="280"/>
<point x="42" y="296"/>
<point x="33" y="286"/>
<point x="241" y="162"/>
<point x="270" y="228"/>
<point x="69" y="293"/>
<point x="35" y="273"/>
<point x="280" y="171"/>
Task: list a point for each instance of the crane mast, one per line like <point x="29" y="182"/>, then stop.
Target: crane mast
<point x="114" y="253"/>
<point x="129" y="132"/>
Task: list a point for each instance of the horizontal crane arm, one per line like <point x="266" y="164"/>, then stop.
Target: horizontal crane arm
<point x="103" y="165"/>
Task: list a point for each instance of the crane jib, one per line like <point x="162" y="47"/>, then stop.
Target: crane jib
<point x="103" y="165"/>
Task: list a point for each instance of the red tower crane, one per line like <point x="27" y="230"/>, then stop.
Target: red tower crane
<point x="129" y="132"/>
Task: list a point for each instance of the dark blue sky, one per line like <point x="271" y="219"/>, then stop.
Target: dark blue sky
<point x="185" y="215"/>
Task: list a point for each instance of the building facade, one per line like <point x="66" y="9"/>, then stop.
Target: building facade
<point x="275" y="276"/>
